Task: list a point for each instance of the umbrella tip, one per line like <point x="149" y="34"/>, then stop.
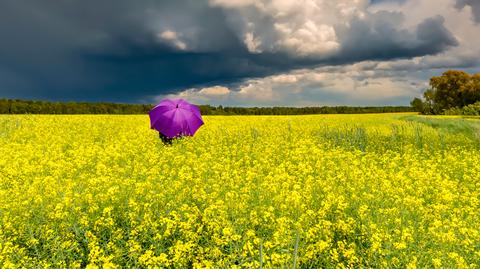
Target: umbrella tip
<point x="177" y="106"/>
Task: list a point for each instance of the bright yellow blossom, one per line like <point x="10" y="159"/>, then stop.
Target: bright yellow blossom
<point x="320" y="191"/>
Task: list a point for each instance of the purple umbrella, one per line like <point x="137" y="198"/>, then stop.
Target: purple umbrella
<point x="175" y="117"/>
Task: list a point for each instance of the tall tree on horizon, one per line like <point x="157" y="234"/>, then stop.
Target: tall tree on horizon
<point x="453" y="89"/>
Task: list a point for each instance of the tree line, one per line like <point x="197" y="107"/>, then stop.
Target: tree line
<point x="454" y="92"/>
<point x="10" y="106"/>
<point x="211" y="110"/>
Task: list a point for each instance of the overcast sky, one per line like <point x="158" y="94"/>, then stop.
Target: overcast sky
<point x="234" y="52"/>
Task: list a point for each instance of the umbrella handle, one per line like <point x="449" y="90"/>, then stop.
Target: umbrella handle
<point x="165" y="140"/>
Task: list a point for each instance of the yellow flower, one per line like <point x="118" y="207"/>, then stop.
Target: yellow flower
<point x="344" y="191"/>
<point x="437" y="262"/>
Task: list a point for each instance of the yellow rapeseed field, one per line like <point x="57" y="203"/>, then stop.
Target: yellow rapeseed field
<point x="320" y="191"/>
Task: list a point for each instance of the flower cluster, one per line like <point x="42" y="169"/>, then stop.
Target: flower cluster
<point x="318" y="191"/>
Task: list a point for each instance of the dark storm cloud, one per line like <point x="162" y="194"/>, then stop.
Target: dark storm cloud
<point x="111" y="50"/>
<point x="377" y="38"/>
<point x="85" y="50"/>
<point x="474" y="4"/>
<point x="99" y="49"/>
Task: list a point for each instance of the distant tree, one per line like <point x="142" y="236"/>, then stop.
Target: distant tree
<point x="451" y="89"/>
<point x="470" y="91"/>
<point x="417" y="104"/>
<point x="448" y="88"/>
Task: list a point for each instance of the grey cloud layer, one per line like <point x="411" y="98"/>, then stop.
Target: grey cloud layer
<point x="121" y="50"/>
<point x="378" y="38"/>
<point x="473" y="4"/>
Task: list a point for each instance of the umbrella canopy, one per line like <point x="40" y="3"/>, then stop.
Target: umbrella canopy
<point x="175" y="117"/>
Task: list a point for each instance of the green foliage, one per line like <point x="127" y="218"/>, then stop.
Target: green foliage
<point x="8" y="106"/>
<point x="470" y="110"/>
<point x="349" y="137"/>
<point x="417" y="104"/>
<point x="211" y="110"/>
<point x="42" y="107"/>
<point x="449" y="93"/>
<point x="466" y="127"/>
<point x="448" y="89"/>
<point x="453" y="111"/>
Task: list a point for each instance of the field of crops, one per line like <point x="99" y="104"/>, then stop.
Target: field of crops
<point x="320" y="191"/>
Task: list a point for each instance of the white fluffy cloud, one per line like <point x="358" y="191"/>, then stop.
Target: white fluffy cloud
<point x="305" y="27"/>
<point x="357" y="84"/>
<point x="320" y="29"/>
<point x="208" y="95"/>
<point x="380" y="82"/>
<point x="215" y="91"/>
<point x="172" y="38"/>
